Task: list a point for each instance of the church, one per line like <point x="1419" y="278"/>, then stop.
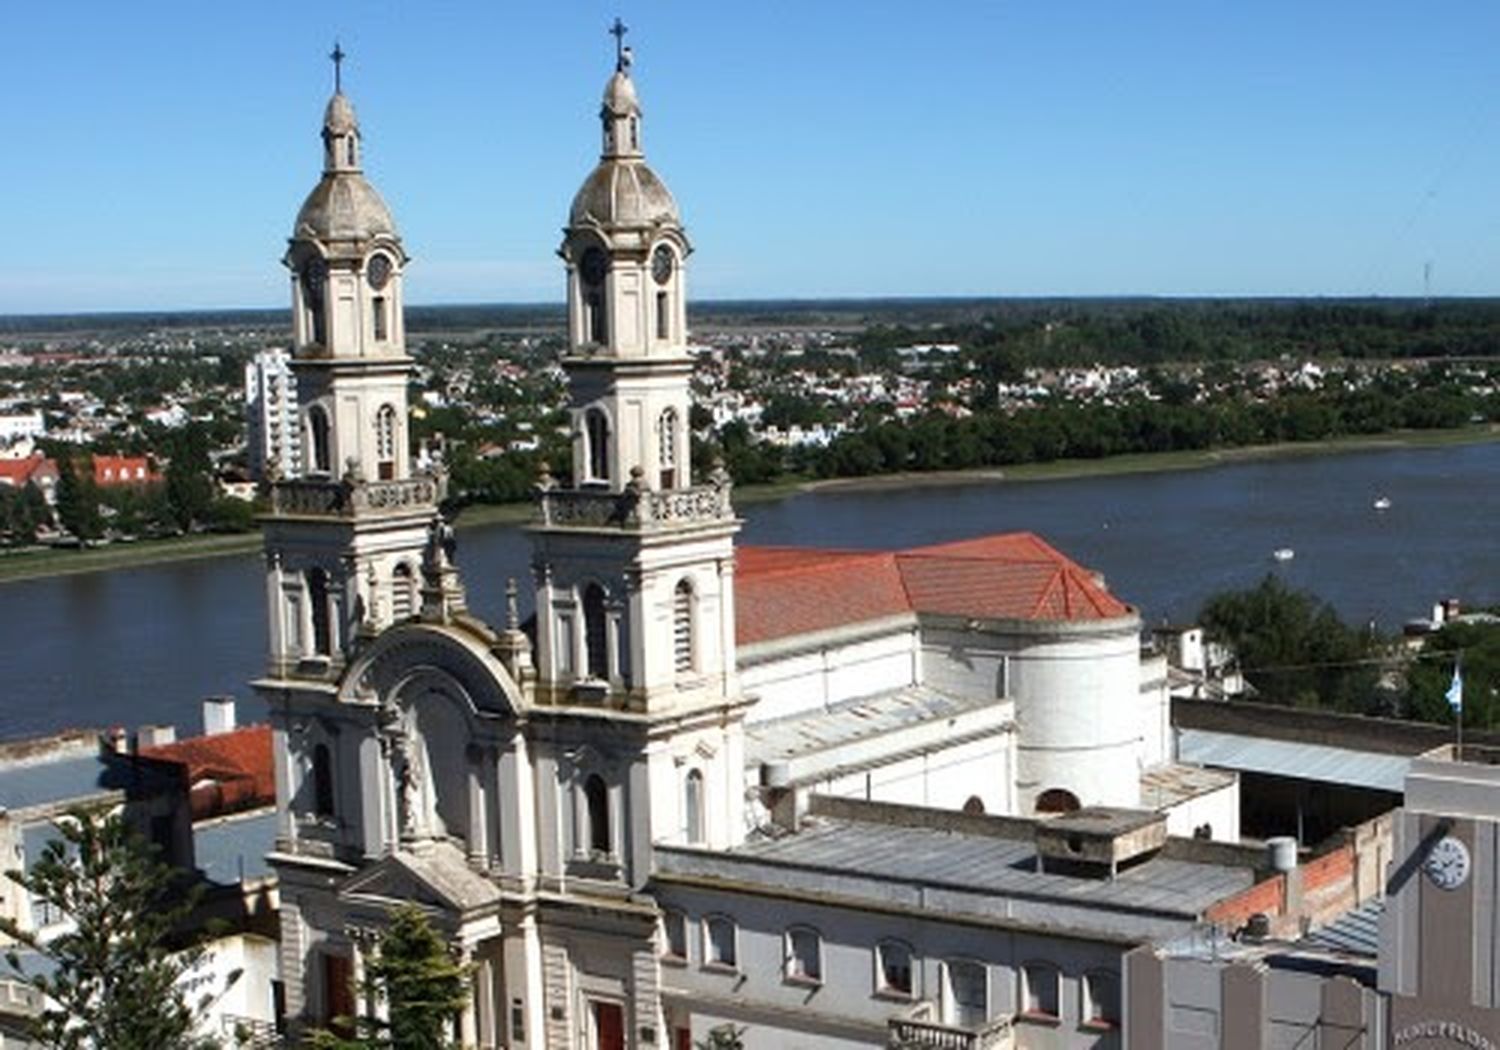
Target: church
<point x="708" y="784"/>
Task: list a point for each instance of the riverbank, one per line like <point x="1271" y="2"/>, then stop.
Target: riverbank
<point x="35" y="564"/>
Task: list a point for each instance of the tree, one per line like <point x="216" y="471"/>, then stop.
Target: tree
<point x="422" y="985"/>
<point x="114" y="986"/>
<point x="190" y="481"/>
<point x="723" y="1037"/>
<point x="78" y="501"/>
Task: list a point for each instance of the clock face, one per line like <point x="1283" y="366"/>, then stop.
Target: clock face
<point x="592" y="266"/>
<point x="378" y="272"/>
<point x="662" y="264"/>
<point x="1448" y="863"/>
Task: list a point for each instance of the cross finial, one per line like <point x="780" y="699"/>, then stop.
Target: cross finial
<point x="618" y="31"/>
<point x="338" y="56"/>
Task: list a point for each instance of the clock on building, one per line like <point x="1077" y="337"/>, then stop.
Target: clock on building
<point x="378" y="272"/>
<point x="1447" y="865"/>
<point x="662" y="263"/>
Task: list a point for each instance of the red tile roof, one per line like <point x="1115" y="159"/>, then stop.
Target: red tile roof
<point x="124" y="470"/>
<point x="783" y="591"/>
<point x="23" y="471"/>
<point x="226" y="772"/>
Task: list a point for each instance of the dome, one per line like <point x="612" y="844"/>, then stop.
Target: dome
<point x="339" y="116"/>
<point x="344" y="207"/>
<point x="623" y="193"/>
<point x="619" y="94"/>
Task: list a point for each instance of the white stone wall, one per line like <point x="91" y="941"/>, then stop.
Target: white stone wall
<point x="1219" y="809"/>
<point x="1155" y="713"/>
<point x="809" y="673"/>
<point x="945" y="777"/>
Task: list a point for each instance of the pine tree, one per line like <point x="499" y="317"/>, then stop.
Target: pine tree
<point x="114" y="986"/>
<point x="423" y="987"/>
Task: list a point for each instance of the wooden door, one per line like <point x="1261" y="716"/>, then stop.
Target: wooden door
<point x="609" y="1026"/>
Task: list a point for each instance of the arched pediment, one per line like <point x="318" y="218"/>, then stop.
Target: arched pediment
<point x="430" y="657"/>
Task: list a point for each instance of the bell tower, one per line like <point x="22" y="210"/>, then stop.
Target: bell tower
<point x="634" y="556"/>
<point x="345" y="541"/>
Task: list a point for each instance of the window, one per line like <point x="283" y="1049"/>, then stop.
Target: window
<point x="596" y="434"/>
<point x="317" y="426"/>
<point x="966" y="994"/>
<point x="674" y="936"/>
<point x="682" y="627"/>
<point x="596" y="804"/>
<point x="893" y="968"/>
<point x="1101" y="999"/>
<point x="692" y="805"/>
<point x="349" y="151"/>
<point x="403" y="593"/>
<point x="565" y="655"/>
<point x="719" y="935"/>
<point x="667" y="448"/>
<point x="598" y="329"/>
<point x="377" y="309"/>
<point x="322" y="779"/>
<point x="663" y="316"/>
<point x="804" y="955"/>
<point x="1056" y="800"/>
<point x="1039" y="991"/>
<point x="385" y="441"/>
<point x="595" y="633"/>
<point x="317" y="600"/>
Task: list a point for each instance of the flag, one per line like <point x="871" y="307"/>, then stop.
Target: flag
<point x="1455" y="693"/>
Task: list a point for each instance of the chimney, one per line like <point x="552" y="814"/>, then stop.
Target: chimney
<point x="218" y="715"/>
<point x="779" y="796"/>
<point x="116" y="740"/>
<point x="155" y="736"/>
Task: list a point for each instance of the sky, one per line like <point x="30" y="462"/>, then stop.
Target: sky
<point x="153" y="155"/>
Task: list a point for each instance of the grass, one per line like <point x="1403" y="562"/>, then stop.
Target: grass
<point x="32" y="564"/>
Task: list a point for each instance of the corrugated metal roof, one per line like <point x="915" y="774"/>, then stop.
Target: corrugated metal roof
<point x="1287" y="758"/>
<point x="227" y="851"/>
<point x="861" y="719"/>
<point x="1356" y="932"/>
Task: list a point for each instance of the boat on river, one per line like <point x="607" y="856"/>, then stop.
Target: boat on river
<point x="1382" y="503"/>
<point x="1283" y="554"/>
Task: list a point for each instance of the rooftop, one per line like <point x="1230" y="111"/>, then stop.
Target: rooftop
<point x="1007" y="576"/>
<point x="232" y="850"/>
<point x="226" y="772"/>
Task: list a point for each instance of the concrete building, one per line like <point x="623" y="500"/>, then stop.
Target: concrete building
<point x="272" y="421"/>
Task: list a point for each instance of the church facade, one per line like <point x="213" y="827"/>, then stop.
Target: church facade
<point x="557" y="793"/>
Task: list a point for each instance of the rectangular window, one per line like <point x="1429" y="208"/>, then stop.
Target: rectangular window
<point x="804" y="955"/>
<point x="893" y="968"/>
<point x="377" y="306"/>
<point x="719" y="936"/>
<point x="966" y="999"/>
<point x="565" y="643"/>
<point x="663" y="316"/>
<point x="674" y="936"/>
<point x="1101" y="1000"/>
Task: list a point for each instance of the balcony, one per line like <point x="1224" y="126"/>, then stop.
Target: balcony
<point x="636" y="508"/>
<point x="920" y="1029"/>
<point x="355" y="497"/>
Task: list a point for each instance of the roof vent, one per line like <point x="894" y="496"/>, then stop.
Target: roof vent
<point x="1101" y="836"/>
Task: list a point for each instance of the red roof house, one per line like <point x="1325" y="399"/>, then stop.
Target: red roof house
<point x="225" y="772"/>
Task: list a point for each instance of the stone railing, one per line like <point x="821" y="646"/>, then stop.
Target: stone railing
<point x="635" y="507"/>
<point x="919" y="1029"/>
<point x="354" y="496"/>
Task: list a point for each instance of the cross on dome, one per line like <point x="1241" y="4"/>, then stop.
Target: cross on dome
<point x="622" y="53"/>
<point x="337" y="56"/>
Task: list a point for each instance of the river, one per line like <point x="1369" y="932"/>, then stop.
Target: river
<point x="146" y="645"/>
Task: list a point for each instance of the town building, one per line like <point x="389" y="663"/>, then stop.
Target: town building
<point x="272" y="421"/>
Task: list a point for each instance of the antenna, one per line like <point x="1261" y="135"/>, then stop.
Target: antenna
<point x="1427" y="281"/>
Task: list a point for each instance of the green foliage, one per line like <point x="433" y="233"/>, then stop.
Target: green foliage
<point x="424" y="989"/>
<point x="114" y="986"/>
<point x="1428" y="679"/>
<point x="723" y="1037"/>
<point x="189" y="478"/>
<point x="1293" y="648"/>
<point x="22" y="512"/>
<point x="78" y="500"/>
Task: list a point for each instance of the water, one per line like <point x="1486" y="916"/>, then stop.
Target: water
<point x="146" y="645"/>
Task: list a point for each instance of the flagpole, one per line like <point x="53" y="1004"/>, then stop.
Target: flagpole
<point x="1458" y="664"/>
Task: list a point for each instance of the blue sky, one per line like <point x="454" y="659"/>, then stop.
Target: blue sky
<point x="153" y="155"/>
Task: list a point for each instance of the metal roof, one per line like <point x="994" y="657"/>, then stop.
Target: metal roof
<point x="1287" y="758"/>
<point x="865" y="718"/>
<point x="231" y="850"/>
<point x="877" y="860"/>
<point x="57" y="780"/>
<point x="1356" y="932"/>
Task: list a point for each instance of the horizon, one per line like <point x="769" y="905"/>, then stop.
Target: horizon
<point x="842" y="152"/>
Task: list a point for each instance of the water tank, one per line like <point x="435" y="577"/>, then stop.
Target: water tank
<point x="1281" y="853"/>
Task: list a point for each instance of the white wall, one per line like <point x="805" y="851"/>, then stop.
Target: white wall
<point x="788" y="679"/>
<point x="1219" y="809"/>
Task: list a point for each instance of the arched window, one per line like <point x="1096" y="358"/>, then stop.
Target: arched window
<point x="893" y="968"/>
<point x="1039" y="989"/>
<point x="403" y="593"/>
<point x="322" y="779"/>
<point x="803" y="952"/>
<point x="682" y="627"/>
<point x="596" y="804"/>
<point x="317" y="600"/>
<point x="1056" y="800"/>
<point x="595" y="632"/>
<point x="596" y="433"/>
<point x="666" y="441"/>
<point x="720" y="943"/>
<point x="692" y="806"/>
<point x="1101" y="999"/>
<point x="966" y="994"/>
<point x="318" y="440"/>
<point x="385" y="441"/>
